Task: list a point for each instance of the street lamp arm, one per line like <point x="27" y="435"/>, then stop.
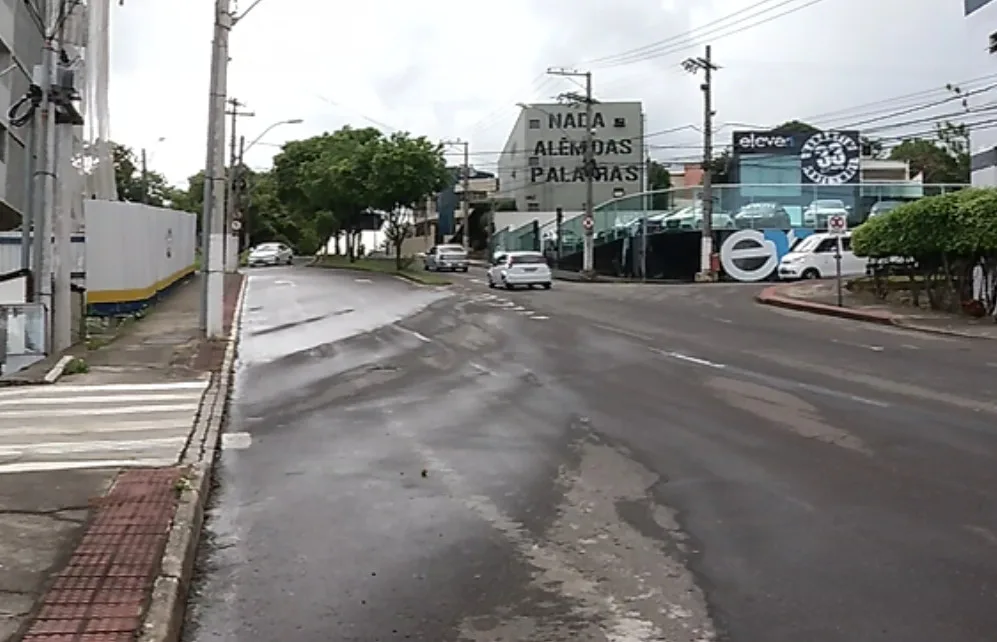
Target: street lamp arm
<point x="293" y="121"/>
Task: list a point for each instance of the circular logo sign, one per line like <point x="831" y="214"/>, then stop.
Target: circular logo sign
<point x="830" y="158"/>
<point x="748" y="256"/>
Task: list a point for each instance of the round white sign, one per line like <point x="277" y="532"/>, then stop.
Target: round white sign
<point x="748" y="256"/>
<point x="830" y="158"/>
<point x="837" y="223"/>
<point x="588" y="223"/>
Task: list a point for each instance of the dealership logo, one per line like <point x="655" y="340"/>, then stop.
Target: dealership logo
<point x="763" y="142"/>
<point x="750" y="256"/>
<point x="831" y="158"/>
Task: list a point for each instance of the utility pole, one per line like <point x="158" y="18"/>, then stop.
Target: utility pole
<point x="145" y="178"/>
<point x="693" y="66"/>
<point x="213" y="217"/>
<point x="240" y="223"/>
<point x="465" y="205"/>
<point x="588" y="221"/>
<point x="229" y="242"/>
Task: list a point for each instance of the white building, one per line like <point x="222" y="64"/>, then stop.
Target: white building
<point x="981" y="19"/>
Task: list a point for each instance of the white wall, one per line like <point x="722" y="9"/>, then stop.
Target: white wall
<point x="134" y="251"/>
<point x="979" y="25"/>
<point x="14" y="291"/>
<point x="10" y="253"/>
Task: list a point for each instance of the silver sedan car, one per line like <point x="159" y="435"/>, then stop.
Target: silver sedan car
<point x="446" y="257"/>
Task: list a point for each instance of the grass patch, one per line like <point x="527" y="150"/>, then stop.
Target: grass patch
<point x="381" y="266"/>
<point x="75" y="367"/>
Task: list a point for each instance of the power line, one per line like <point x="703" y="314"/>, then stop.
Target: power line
<point x="692" y="39"/>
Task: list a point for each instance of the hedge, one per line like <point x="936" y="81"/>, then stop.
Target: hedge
<point x="945" y="238"/>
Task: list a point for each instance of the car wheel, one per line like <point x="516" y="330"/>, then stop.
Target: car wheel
<point x="547" y="286"/>
<point x="491" y="283"/>
<point x="810" y="274"/>
<point x="508" y="286"/>
<point x="463" y="269"/>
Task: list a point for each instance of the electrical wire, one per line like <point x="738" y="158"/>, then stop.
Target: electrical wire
<point x="691" y="39"/>
<point x="29" y="102"/>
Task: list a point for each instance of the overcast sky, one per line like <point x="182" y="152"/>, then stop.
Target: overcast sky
<point x="456" y="68"/>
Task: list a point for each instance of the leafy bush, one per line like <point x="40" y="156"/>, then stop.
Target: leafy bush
<point x="944" y="238"/>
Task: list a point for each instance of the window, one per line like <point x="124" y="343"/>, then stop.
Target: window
<point x="533" y="207"/>
<point x="534" y="123"/>
<point x="534" y="161"/>
<point x="827" y="246"/>
<point x="619" y="122"/>
<point x="846" y="244"/>
<point x="3" y="144"/>
<point x="527" y="259"/>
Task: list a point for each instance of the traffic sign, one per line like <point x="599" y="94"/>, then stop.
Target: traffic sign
<point x="236" y="225"/>
<point x="588" y="223"/>
<point x="837" y="224"/>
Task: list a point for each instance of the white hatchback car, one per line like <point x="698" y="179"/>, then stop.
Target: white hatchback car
<point x="513" y="269"/>
<point x="814" y="258"/>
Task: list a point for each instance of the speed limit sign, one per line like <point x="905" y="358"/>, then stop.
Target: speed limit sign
<point x="588" y="223"/>
<point x="837" y="225"/>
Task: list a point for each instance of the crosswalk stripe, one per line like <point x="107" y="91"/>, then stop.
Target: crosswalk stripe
<point x="75" y="412"/>
<point x="58" y="389"/>
<point x="65" y="447"/>
<point x="52" y="401"/>
<point x="176" y="423"/>
<point x="45" y="466"/>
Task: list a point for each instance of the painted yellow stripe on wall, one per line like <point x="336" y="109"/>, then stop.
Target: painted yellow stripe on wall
<point x="138" y="294"/>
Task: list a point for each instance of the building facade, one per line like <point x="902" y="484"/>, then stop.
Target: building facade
<point x="20" y="51"/>
<point x="981" y="23"/>
<point x="541" y="166"/>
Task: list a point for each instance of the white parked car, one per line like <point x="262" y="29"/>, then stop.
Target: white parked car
<point x="514" y="269"/>
<point x="445" y="257"/>
<point x="813" y="258"/>
<point x="817" y="213"/>
<point x="270" y="254"/>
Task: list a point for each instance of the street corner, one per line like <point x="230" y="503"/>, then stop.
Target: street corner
<point x="812" y="298"/>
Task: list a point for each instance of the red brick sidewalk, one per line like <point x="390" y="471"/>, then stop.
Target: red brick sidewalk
<point x="103" y="591"/>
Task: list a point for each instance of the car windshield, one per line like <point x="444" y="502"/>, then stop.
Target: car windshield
<point x="808" y="244"/>
<point x="757" y="208"/>
<point x="451" y="249"/>
<point x="527" y="259"/>
<point x="268" y="247"/>
<point x="829" y="204"/>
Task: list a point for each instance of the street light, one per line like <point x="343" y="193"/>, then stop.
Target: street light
<point x="292" y="121"/>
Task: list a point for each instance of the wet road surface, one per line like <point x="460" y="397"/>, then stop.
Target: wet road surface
<point x="597" y="463"/>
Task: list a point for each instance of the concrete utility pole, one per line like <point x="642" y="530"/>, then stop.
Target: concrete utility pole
<point x="693" y="66"/>
<point x="239" y="222"/>
<point x="145" y="178"/>
<point x="230" y="242"/>
<point x="588" y="221"/>
<point x="213" y="216"/>
<point x="465" y="205"/>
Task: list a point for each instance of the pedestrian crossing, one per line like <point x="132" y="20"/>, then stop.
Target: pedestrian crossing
<point x="63" y="427"/>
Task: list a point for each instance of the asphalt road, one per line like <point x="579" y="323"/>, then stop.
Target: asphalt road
<point x="598" y="462"/>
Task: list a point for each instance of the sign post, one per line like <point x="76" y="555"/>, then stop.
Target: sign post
<point x="837" y="226"/>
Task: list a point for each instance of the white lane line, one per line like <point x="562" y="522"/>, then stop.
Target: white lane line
<point x="48" y="466"/>
<point x="96" y="399"/>
<point x="483" y="369"/>
<point x="363" y="280"/>
<point x="539" y="317"/>
<point x="478" y="281"/>
<point x="123" y="410"/>
<point x="27" y="391"/>
<point x="284" y="282"/>
<point x="71" y="447"/>
<point x="417" y="335"/>
<point x="236" y="440"/>
<point x="625" y="333"/>
<point x="689" y="359"/>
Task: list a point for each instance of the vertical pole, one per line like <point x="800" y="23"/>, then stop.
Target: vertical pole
<point x="837" y="263"/>
<point x="145" y="179"/>
<point x="243" y="234"/>
<point x="706" y="266"/>
<point x="588" y="248"/>
<point x="45" y="182"/>
<point x="28" y="217"/>
<point x="230" y="184"/>
<point x="465" y="209"/>
<point x="62" y="297"/>
<point x="214" y="183"/>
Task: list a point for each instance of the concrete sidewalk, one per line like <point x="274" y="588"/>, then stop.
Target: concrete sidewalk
<point x="80" y="539"/>
<point x="821" y="297"/>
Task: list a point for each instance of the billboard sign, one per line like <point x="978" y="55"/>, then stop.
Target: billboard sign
<point x="831" y="158"/>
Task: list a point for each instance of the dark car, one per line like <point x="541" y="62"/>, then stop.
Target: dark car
<point x="882" y="207"/>
<point x="756" y="216"/>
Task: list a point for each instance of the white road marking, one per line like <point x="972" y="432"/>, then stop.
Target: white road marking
<point x="363" y="280"/>
<point x="46" y="466"/>
<point x="482" y="369"/>
<point x="58" y="389"/>
<point x="417" y="335"/>
<point x="689" y="359"/>
<point x="478" y="281"/>
<point x="539" y="317"/>
<point x="236" y="440"/>
<point x="70" y="447"/>
<point x="95" y="412"/>
<point x="625" y="333"/>
<point x="284" y="282"/>
<point x="47" y="401"/>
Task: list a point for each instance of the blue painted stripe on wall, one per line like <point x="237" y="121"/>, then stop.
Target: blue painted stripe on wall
<point x="973" y="5"/>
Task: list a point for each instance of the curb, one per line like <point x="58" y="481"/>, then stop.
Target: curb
<point x="56" y="371"/>
<point x="164" y="617"/>
<point x="771" y="296"/>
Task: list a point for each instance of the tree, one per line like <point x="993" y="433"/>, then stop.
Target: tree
<point x="132" y="186"/>
<point x="796" y="127"/>
<point x="403" y="172"/>
<point x="944" y="159"/>
<point x="659" y="180"/>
